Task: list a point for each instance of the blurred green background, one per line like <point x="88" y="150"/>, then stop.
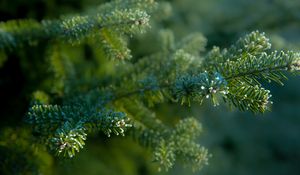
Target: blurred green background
<point x="241" y="143"/>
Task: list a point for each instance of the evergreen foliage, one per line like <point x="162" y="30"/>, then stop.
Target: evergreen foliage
<point x="96" y="81"/>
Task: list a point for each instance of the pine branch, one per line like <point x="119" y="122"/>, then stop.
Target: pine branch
<point x="126" y="20"/>
<point x="64" y="129"/>
<point x="248" y="97"/>
<point x="266" y="67"/>
<point x="178" y="72"/>
<point x="173" y="74"/>
<point x="245" y="64"/>
<point x="114" y="45"/>
<point x="168" y="143"/>
<point x="187" y="88"/>
<point x="157" y="74"/>
<point x="247" y="59"/>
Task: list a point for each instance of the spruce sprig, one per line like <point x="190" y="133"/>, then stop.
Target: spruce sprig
<point x="74" y="29"/>
<point x="65" y="128"/>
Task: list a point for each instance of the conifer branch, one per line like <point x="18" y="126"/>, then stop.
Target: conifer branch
<point x="248" y="59"/>
<point x="237" y="89"/>
<point x="245" y="64"/>
<point x="169" y="144"/>
<point x="74" y="102"/>
<point x="233" y="74"/>
<point x="187" y="88"/>
<point x="65" y="128"/>
<point x="126" y="20"/>
<point x="267" y="67"/>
